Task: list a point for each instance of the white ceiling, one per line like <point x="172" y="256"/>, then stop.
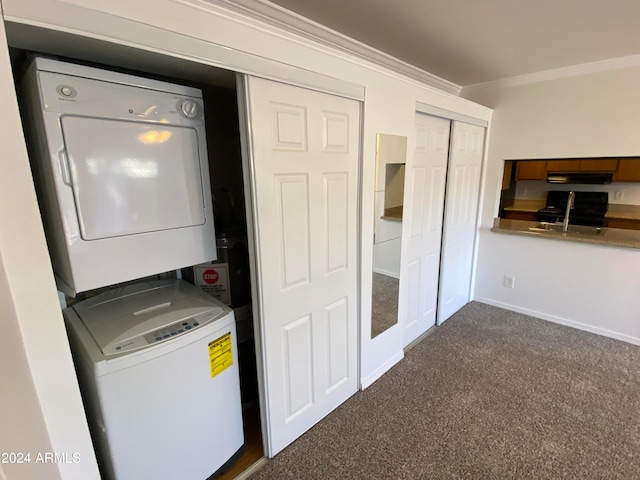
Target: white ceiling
<point x="475" y="41"/>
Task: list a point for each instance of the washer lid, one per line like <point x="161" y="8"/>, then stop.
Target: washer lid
<point x="132" y="317"/>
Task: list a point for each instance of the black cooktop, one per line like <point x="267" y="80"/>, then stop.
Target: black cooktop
<point x="594" y="201"/>
<point x="589" y="208"/>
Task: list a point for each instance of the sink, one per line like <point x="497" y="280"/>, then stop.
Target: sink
<point x="557" y="227"/>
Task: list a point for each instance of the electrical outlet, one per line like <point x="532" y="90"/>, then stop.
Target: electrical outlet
<point x="508" y="281"/>
<point x="619" y="195"/>
<point x="522" y="191"/>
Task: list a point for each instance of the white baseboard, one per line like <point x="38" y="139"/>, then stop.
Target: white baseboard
<point x="368" y="381"/>
<point x="562" y="321"/>
<point x="388" y="273"/>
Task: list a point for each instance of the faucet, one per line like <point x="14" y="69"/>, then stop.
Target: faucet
<point x="565" y="223"/>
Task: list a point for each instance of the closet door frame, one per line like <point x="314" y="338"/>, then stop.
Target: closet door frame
<point x="423" y="108"/>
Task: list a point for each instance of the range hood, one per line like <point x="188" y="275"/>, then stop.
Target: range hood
<point x="593" y="178"/>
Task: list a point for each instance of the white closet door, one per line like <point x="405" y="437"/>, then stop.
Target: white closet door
<point x="425" y="184"/>
<point x="305" y="187"/>
<point x="461" y="212"/>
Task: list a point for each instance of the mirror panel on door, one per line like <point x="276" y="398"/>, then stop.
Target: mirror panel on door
<point x="391" y="152"/>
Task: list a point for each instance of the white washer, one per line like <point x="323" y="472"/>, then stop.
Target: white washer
<point x="158" y="370"/>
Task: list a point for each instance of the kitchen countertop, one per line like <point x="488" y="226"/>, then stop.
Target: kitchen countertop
<point x="526" y="205"/>
<point x="393" y="213"/>
<point x="627" y="212"/>
<point x="616" y="237"/>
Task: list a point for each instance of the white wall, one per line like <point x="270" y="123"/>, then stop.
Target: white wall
<point x="595" y="287"/>
<point x="188" y="31"/>
<point x="40" y="407"/>
<point x="23" y="427"/>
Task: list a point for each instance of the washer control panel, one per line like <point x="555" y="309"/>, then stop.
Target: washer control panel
<point x="173" y="330"/>
<point x="127" y="343"/>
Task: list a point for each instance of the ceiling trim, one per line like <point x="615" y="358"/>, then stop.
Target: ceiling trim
<point x="557" y="74"/>
<point x="283" y="19"/>
<point x="56" y="33"/>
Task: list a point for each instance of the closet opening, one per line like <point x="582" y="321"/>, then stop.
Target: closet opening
<point x="227" y="188"/>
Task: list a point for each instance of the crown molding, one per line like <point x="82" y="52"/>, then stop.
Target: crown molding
<point x="263" y="13"/>
<point x="556" y="74"/>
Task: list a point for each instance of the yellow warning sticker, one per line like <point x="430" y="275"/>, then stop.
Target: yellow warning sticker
<point x="220" y="354"/>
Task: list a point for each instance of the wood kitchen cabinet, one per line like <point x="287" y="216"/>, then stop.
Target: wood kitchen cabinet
<point x="506" y="175"/>
<point x="625" y="169"/>
<point x="587" y="165"/>
<point x="531" y="170"/>
<point x="626" y="223"/>
<point x="599" y="165"/>
<point x="628" y="170"/>
<point x="521" y="215"/>
<point x="563" y="166"/>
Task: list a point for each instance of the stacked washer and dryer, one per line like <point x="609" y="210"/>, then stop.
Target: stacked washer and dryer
<point x="121" y="171"/>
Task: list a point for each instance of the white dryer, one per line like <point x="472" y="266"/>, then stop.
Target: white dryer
<point x="122" y="172"/>
<point x="158" y="370"/>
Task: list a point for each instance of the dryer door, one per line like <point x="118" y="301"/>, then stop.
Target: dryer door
<point x="132" y="177"/>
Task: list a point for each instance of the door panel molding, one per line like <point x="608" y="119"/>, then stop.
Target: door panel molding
<point x="460" y="218"/>
<point x="424" y="203"/>
<point x="304" y="214"/>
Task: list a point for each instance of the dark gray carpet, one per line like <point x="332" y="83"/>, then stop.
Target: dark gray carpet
<point x="489" y="395"/>
<point x="384" y="303"/>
